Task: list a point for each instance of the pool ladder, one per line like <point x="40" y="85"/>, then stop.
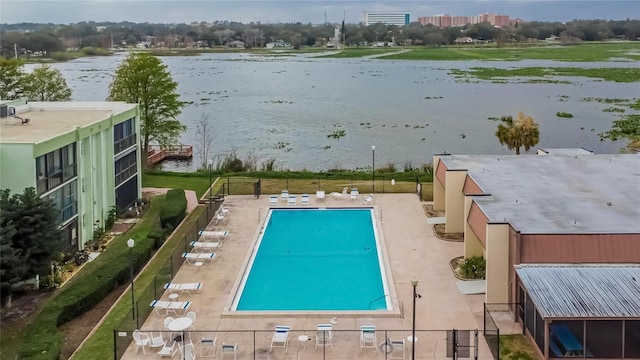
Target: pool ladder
<point x="400" y="304"/>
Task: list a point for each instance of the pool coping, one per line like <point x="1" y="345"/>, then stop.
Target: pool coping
<point x="385" y="270"/>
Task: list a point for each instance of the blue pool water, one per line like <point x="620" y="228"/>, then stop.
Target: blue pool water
<point x="315" y="259"/>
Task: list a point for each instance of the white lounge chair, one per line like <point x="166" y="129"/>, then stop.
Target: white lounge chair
<point x="280" y="338"/>
<point x="398" y="349"/>
<point x="355" y="194"/>
<point x="168" y="351"/>
<point x="304" y="199"/>
<point x="208" y="346"/>
<point x="324" y="335"/>
<point x="273" y="200"/>
<point x="193" y="258"/>
<point x="141" y="340"/>
<point x="320" y="195"/>
<point x="156" y="341"/>
<point x="368" y="199"/>
<point x="213" y="235"/>
<point x="284" y="195"/>
<point x="206" y="246"/>
<point x="190" y="288"/>
<point x="163" y="308"/>
<point x="368" y="337"/>
<point x="229" y="349"/>
<point x="340" y="196"/>
<point x="293" y="200"/>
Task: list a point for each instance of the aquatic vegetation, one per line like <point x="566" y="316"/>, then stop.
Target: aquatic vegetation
<point x="613" y="109"/>
<point x="337" y="134"/>
<point x="563" y="114"/>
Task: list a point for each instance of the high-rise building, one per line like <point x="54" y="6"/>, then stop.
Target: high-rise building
<point x="459" y="21"/>
<point x="388" y="18"/>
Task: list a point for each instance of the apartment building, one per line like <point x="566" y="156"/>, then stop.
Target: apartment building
<point x="82" y="155"/>
<point x="387" y="18"/>
<point x="459" y="21"/>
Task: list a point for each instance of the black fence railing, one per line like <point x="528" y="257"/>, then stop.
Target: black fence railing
<point x="140" y="309"/>
<point x="491" y="330"/>
<point x="301" y="344"/>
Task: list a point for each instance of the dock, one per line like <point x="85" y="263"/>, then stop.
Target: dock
<point x="157" y="153"/>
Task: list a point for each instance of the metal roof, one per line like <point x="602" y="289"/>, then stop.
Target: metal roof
<point x="580" y="291"/>
<point x="544" y="194"/>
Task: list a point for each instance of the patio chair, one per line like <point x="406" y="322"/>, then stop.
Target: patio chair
<point x="208" y="235"/>
<point x="200" y="246"/>
<point x="168" y="351"/>
<point x="156" y="341"/>
<point x="324" y="335"/>
<point x="304" y="199"/>
<point x="320" y="195"/>
<point x="192" y="289"/>
<point x="293" y="200"/>
<point x="193" y="258"/>
<point x="208" y="346"/>
<point x="368" y="199"/>
<point x="284" y="195"/>
<point x="229" y="349"/>
<point x="168" y="321"/>
<point x="141" y="340"/>
<point x="398" y="349"/>
<point x="164" y="307"/>
<point x="368" y="337"/>
<point x="187" y="351"/>
<point x="355" y="194"/>
<point x="191" y="315"/>
<point x="280" y="337"/>
<point x="273" y="200"/>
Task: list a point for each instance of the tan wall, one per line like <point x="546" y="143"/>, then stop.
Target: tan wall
<point x="580" y="248"/>
<point x="454" y="201"/>
<point x="497" y="257"/>
<point x="472" y="245"/>
<point x="439" y="177"/>
<point x="514" y="258"/>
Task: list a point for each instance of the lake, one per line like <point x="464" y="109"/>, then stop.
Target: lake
<point x="285" y="107"/>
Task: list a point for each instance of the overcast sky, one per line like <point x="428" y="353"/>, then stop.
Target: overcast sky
<point x="179" y="11"/>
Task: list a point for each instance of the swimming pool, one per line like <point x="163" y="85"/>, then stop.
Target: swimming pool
<point x="315" y="260"/>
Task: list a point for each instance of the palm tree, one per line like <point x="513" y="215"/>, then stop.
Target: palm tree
<point x="522" y="132"/>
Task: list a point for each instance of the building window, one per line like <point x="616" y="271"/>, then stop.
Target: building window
<point x="126" y="166"/>
<point x="65" y="202"/>
<point x="124" y="136"/>
<point x="56" y="168"/>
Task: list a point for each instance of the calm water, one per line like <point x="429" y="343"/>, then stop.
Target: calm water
<point x="284" y="107"/>
<point x="315" y="260"/>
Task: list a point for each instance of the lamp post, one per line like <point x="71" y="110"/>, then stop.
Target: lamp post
<point x="210" y="162"/>
<point x="414" y="284"/>
<point x="373" y="168"/>
<point x="130" y="244"/>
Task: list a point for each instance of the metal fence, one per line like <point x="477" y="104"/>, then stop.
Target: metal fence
<point x="140" y="309"/>
<point x="251" y="186"/>
<point x="307" y="344"/>
<point x="491" y="333"/>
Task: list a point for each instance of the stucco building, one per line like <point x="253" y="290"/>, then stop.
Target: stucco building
<point x="82" y="155"/>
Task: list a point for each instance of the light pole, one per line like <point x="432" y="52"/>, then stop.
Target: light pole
<point x="210" y="162"/>
<point x="373" y="168"/>
<point x="414" y="284"/>
<point x="130" y="244"/>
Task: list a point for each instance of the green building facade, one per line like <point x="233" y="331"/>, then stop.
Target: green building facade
<point x="84" y="156"/>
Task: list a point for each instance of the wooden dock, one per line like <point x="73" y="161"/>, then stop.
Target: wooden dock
<point x="157" y="153"/>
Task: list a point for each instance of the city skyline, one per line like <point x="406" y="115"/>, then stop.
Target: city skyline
<point x="288" y="11"/>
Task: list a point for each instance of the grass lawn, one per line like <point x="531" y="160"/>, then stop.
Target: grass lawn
<point x="495" y="74"/>
<point x="516" y="347"/>
<point x="164" y="180"/>
<point x="100" y="344"/>
<point x="585" y="52"/>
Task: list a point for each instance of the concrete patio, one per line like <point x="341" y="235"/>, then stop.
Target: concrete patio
<point x="412" y="250"/>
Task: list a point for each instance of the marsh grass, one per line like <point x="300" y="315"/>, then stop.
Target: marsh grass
<point x="496" y="74"/>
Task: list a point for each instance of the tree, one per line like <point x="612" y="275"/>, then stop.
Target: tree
<point x="29" y="229"/>
<point x="11" y="79"/>
<point x="520" y="133"/>
<point x="46" y="84"/>
<point x="204" y="139"/>
<point x="627" y="127"/>
<point x="142" y="79"/>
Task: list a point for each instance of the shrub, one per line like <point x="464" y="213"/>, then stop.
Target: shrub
<point x="564" y="114"/>
<point x="474" y="267"/>
<point x="174" y="208"/>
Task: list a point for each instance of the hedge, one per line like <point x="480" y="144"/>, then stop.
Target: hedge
<point x="96" y="280"/>
<point x="174" y="208"/>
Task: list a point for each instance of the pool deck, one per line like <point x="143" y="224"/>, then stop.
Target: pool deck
<point x="412" y="249"/>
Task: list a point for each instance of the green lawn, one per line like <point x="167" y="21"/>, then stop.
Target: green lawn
<point x="516" y="347"/>
<point x="587" y="52"/>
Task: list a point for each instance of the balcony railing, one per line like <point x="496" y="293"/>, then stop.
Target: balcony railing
<point x="124" y="143"/>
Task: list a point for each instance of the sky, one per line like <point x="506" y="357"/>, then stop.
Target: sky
<point x="305" y="11"/>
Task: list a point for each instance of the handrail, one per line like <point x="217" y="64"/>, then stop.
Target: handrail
<point x="401" y="304"/>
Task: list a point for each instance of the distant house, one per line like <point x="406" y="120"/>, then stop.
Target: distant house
<point x="236" y="44"/>
<point x="278" y="44"/>
<point x="464" y="40"/>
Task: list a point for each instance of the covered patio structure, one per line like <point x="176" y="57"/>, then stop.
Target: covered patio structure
<point x="581" y="311"/>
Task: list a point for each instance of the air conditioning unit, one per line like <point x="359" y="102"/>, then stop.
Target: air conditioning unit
<point x="3" y="111"/>
<point x="12" y="111"/>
